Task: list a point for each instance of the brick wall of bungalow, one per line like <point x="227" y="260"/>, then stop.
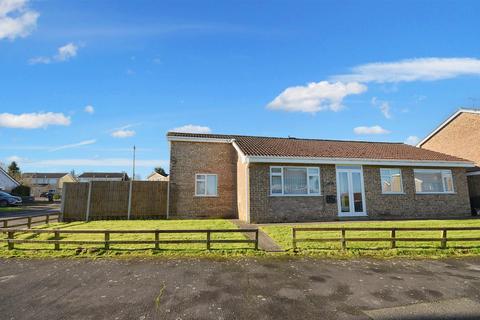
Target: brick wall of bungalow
<point x="266" y="208"/>
<point x="190" y="158"/>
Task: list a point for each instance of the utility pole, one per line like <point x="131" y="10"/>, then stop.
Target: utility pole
<point x="133" y="173"/>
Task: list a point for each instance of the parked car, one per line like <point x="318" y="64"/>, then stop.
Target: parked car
<point x="47" y="194"/>
<point x="7" y="199"/>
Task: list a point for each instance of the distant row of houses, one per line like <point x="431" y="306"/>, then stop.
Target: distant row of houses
<point x="41" y="182"/>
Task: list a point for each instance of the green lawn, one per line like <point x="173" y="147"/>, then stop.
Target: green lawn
<point x="40" y="250"/>
<point x="282" y="234"/>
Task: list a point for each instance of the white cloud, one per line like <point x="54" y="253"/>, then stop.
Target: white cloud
<point x="315" y="96"/>
<point x="421" y="69"/>
<point x="97" y="162"/>
<point x="413" y="140"/>
<point x="74" y="145"/>
<point x="122" y="133"/>
<point x="370" y="130"/>
<point x="33" y="120"/>
<point x="16" y="19"/>
<point x="89" y="109"/>
<point x="64" y="53"/>
<point x="17" y="159"/>
<point x="384" y="107"/>
<point x="191" y="128"/>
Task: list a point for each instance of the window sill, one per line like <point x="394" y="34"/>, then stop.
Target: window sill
<point x="393" y="193"/>
<point x="435" y="193"/>
<point x="205" y="196"/>
<point x="295" y="195"/>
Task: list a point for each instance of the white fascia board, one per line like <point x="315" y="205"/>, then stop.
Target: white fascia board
<point x="379" y="162"/>
<point x="196" y="139"/>
<point x="239" y="152"/>
<point x="443" y="124"/>
<point x="10" y="177"/>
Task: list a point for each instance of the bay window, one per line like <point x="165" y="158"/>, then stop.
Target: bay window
<point x="433" y="181"/>
<point x="294" y="181"/>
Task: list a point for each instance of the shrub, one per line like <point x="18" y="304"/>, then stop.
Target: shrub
<point x="21" y="191"/>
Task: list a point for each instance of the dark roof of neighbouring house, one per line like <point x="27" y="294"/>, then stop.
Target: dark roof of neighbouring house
<point x="103" y="175"/>
<point x="319" y="148"/>
<point x="47" y="175"/>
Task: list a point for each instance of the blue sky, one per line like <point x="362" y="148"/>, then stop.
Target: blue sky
<point x="81" y="82"/>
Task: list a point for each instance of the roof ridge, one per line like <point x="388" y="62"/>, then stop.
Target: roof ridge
<point x="207" y="135"/>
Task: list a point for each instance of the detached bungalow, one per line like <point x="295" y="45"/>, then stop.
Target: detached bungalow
<point x="265" y="179"/>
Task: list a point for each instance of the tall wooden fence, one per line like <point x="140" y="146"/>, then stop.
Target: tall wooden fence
<point x="100" y="200"/>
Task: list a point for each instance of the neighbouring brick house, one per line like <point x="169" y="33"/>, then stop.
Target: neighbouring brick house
<point x="40" y="182"/>
<point x="459" y="136"/>
<point x="264" y="179"/>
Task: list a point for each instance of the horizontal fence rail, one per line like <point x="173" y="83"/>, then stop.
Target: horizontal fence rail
<point x="56" y="241"/>
<point x="29" y="221"/>
<point x="393" y="239"/>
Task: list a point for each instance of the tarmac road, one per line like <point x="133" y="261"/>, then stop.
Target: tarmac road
<point x="244" y="288"/>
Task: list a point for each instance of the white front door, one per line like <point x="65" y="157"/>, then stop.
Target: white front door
<point x="350" y="191"/>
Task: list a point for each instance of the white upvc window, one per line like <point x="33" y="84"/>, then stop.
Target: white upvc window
<point x="294" y="181"/>
<point x="391" y="179"/>
<point x="206" y="185"/>
<point x="433" y="181"/>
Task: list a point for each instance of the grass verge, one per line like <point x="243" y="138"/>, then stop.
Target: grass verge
<point x="132" y="250"/>
<point x="282" y="234"/>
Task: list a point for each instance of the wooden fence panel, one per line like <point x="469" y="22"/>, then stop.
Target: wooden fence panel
<point x="149" y="199"/>
<point x="110" y="199"/>
<point x="75" y="201"/>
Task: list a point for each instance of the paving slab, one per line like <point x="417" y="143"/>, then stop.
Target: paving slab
<point x="265" y="242"/>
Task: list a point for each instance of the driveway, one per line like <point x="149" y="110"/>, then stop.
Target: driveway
<point x="246" y="288"/>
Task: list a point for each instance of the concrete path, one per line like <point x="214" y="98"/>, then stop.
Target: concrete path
<point x="242" y="288"/>
<point x="264" y="241"/>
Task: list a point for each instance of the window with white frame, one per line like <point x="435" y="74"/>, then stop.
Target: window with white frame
<point x="391" y="180"/>
<point x="433" y="181"/>
<point x="294" y="181"/>
<point x="206" y="185"/>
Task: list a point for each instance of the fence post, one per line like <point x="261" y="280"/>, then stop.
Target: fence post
<point x="444" y="238"/>
<point x="87" y="215"/>
<point x="47" y="219"/>
<point x="344" y="242"/>
<point x="256" y="239"/>
<point x="29" y="222"/>
<point x="393" y="234"/>
<point x="57" y="238"/>
<point x="62" y="205"/>
<point x="11" y="236"/>
<point x="5" y="224"/>
<point x="129" y="212"/>
<point x="294" y="239"/>
<point x="157" y="238"/>
<point x="107" y="240"/>
<point x="208" y="240"/>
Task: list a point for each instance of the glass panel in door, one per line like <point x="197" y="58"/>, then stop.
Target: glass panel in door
<point x="357" y="192"/>
<point x="344" y="192"/>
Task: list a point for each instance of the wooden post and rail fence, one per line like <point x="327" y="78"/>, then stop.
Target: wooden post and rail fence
<point x="28" y="221"/>
<point x="393" y="238"/>
<point x="107" y="242"/>
<point x="102" y="200"/>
